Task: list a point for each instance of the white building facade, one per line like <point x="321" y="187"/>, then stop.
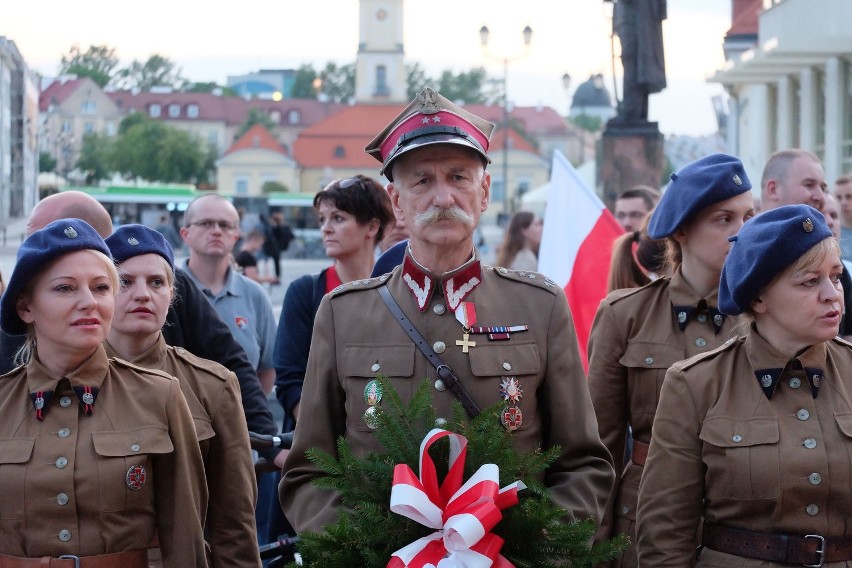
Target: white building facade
<point x="793" y="89"/>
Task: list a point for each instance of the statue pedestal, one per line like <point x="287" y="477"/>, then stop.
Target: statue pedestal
<point x="632" y="155"/>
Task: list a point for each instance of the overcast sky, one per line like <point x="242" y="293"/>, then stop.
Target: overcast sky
<point x="210" y="41"/>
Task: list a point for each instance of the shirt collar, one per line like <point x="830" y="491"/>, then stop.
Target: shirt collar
<point x="455" y="285"/>
<point x="685" y="303"/>
<point x="91" y="373"/>
<point x="151" y="359"/>
<point x="770" y="365"/>
<point x="231" y="287"/>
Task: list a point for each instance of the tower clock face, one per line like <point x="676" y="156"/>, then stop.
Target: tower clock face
<point x="381" y="14"/>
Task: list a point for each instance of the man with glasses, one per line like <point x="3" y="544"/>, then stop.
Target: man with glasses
<point x="498" y="336"/>
<point x="633" y="205"/>
<point x="210" y="231"/>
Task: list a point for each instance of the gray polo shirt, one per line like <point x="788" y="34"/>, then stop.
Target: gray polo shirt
<point x="245" y="307"/>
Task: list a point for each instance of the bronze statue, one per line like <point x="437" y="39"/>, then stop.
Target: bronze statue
<point x="638" y="24"/>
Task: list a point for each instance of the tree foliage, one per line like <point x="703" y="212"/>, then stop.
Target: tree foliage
<point x="46" y="162"/>
<point x="95" y="156"/>
<point x="98" y="63"/>
<point x="156" y="71"/>
<point x="468" y="87"/>
<point x="255" y="116"/>
<point x="208" y="87"/>
<point x="336" y="83"/>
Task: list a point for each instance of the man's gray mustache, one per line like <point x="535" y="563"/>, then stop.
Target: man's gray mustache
<point x="441" y="213"/>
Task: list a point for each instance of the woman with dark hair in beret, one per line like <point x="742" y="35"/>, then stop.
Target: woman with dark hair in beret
<point x="639" y="333"/>
<point x="353" y="216"/>
<point x="146" y="266"/>
<point x="97" y="456"/>
<point x="755" y="438"/>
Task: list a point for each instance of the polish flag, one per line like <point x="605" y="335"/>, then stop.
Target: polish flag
<point x="576" y="245"/>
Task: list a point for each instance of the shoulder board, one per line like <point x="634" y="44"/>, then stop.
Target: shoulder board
<point x="143" y="370"/>
<point x="842" y="341"/>
<point x="527" y="277"/>
<point x="620" y="294"/>
<point x="196" y="362"/>
<point x="695" y="359"/>
<point x="355" y="285"/>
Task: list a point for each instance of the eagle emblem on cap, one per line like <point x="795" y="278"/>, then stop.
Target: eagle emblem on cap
<point x="808" y="225"/>
<point x="428" y="101"/>
<point x="132" y="241"/>
<point x="737" y="180"/>
<point x="70" y="232"/>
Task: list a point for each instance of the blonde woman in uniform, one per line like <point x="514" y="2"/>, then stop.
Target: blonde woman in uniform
<point x="639" y="333"/>
<point x="146" y="266"/>
<point x="755" y="438"/>
<point x="96" y="455"/>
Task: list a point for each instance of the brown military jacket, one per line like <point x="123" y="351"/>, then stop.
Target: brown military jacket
<point x="101" y="483"/>
<point x="635" y="338"/>
<point x="356" y="338"/>
<point x="723" y="449"/>
<point x="213" y="395"/>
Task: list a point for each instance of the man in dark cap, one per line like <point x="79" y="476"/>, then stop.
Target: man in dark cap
<point x="498" y="336"/>
<point x="192" y="322"/>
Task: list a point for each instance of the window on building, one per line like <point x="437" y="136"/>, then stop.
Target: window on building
<point x="110" y="128"/>
<point x="154" y="111"/>
<point x="66" y="126"/>
<point x="275" y="116"/>
<point x="192" y="111"/>
<point x="382" y="80"/>
<point x="88" y="127"/>
<point x="241" y="184"/>
<point x="213" y="137"/>
<point x="88" y="107"/>
<point x="846" y="143"/>
<point x="174" y="110"/>
<point x="497" y="189"/>
<point x="294" y="116"/>
<point x="819" y="147"/>
<point x="340" y="152"/>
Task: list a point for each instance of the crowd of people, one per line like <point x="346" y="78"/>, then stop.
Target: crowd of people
<point x="132" y="383"/>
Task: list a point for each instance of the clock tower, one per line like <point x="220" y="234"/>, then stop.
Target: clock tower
<point x="380" y="67"/>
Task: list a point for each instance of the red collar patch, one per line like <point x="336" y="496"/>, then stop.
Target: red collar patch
<point x="456" y="285"/>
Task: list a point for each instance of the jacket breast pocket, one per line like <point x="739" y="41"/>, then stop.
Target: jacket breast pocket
<point x="364" y="363"/>
<point x="844" y="422"/>
<point x="125" y="466"/>
<point x="493" y="365"/>
<point x="647" y="363"/>
<point x="15" y="456"/>
<point x="742" y="458"/>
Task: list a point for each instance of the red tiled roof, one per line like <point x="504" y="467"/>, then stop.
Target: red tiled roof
<point x="58" y="91"/>
<point x="744" y="17"/>
<point x="256" y="137"/>
<point x="230" y="110"/>
<point x="516" y="141"/>
<point x="537" y="121"/>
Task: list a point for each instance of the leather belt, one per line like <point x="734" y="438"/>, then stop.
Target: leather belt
<point x="128" y="559"/>
<point x="640" y="452"/>
<point x="809" y="550"/>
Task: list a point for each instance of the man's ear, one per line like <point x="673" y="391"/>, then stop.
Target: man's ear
<point x="393" y="193"/>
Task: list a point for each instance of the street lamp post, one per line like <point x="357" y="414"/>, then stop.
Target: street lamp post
<point x="483" y="36"/>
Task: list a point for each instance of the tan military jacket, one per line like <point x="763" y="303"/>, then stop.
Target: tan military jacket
<point x="723" y="449"/>
<point x="635" y="338"/>
<point x="356" y="338"/>
<point x="213" y="395"/>
<point x="74" y="484"/>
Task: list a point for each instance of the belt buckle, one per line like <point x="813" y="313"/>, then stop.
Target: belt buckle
<point x="820" y="550"/>
<point x="76" y="559"/>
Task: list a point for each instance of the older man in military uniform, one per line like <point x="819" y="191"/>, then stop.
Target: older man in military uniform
<point x="508" y="336"/>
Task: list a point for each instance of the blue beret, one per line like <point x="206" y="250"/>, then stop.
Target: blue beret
<point x="766" y="246"/>
<point x="133" y="240"/>
<point x="40" y="248"/>
<point x="697" y="185"/>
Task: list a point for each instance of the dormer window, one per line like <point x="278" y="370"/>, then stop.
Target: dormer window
<point x="154" y="111"/>
<point x="293" y="117"/>
<point x="174" y="110"/>
<point x="192" y="111"/>
<point x="339" y="152"/>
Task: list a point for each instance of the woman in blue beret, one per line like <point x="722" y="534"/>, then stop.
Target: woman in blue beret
<point x="752" y="446"/>
<point x="146" y="266"/>
<point x="639" y="333"/>
<point x="97" y="456"/>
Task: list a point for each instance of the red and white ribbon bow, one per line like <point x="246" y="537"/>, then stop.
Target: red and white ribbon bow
<point x="462" y="514"/>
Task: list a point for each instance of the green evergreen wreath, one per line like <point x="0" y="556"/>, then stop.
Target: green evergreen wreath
<point x="367" y="533"/>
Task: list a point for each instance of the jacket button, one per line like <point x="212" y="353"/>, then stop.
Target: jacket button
<point x="815" y="478"/>
<point x="700" y="342"/>
<point x="795" y="382"/>
<point x="64" y="535"/>
<point x="440" y="386"/>
<point x="810" y="443"/>
<point x="507" y="365"/>
<point x="65" y="401"/>
<point x="375" y="367"/>
<point x="439" y="309"/>
<point x="64" y="432"/>
<point x="803" y="414"/>
<point x="61" y="462"/>
<point x="134" y="448"/>
<point x="649" y="360"/>
<point x="62" y="499"/>
<point x="737" y="438"/>
<point x="439" y="346"/>
<point x="812" y="509"/>
<point x="701" y="318"/>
